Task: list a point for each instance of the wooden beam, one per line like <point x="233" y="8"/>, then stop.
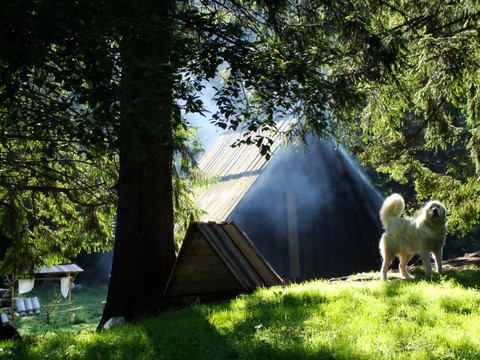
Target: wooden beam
<point x="293" y="247"/>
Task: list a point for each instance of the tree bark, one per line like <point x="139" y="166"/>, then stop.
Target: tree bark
<point x="144" y="249"/>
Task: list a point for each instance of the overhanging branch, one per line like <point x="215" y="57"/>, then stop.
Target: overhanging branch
<point x="48" y="189"/>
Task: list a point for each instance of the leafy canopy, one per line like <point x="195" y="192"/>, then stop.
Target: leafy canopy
<point x="420" y="121"/>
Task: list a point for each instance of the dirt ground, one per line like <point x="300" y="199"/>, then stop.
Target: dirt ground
<point x="462" y="261"/>
<point x="459" y="263"/>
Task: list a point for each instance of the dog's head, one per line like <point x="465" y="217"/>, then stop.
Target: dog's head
<point x="435" y="211"/>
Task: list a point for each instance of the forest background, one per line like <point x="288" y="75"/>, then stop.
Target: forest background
<point x="93" y="96"/>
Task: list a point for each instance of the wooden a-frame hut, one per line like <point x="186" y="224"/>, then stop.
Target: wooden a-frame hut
<point x="218" y="259"/>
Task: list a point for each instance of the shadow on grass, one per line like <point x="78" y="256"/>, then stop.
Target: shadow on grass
<point x="468" y="278"/>
<point x="184" y="334"/>
<point x="263" y="334"/>
<point x="190" y="334"/>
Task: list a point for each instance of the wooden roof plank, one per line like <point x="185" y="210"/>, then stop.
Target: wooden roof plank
<point x="234" y="260"/>
<point x="59" y="269"/>
<point x="238" y="169"/>
<point x="244" y="244"/>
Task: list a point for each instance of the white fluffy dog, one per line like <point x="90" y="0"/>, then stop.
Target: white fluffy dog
<point x="404" y="236"/>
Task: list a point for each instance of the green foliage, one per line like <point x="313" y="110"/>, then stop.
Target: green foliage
<point x="420" y="121"/>
<point x="187" y="177"/>
<point x="58" y="170"/>
<point x="64" y="203"/>
<point x="419" y="319"/>
<point x="397" y="82"/>
<point x="59" y="116"/>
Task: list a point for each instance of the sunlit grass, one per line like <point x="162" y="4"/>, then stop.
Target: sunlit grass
<point x="436" y="318"/>
<point x="88" y="298"/>
<point x="396" y="320"/>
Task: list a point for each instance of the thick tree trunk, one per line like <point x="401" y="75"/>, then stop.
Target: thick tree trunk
<point x="144" y="251"/>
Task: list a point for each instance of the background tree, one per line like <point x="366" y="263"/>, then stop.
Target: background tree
<point x="58" y="118"/>
<point x="420" y="121"/>
<point x="57" y="171"/>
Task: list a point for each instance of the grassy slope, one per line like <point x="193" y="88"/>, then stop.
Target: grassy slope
<point x="420" y="319"/>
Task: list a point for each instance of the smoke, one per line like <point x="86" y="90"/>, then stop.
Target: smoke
<point x="208" y="133"/>
<point x="354" y="164"/>
<point x="321" y="199"/>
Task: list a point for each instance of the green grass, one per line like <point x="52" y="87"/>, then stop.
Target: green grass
<point x="436" y="318"/>
<point x="88" y="298"/>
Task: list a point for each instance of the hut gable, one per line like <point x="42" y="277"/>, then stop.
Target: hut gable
<point x="311" y="214"/>
<point x="218" y="258"/>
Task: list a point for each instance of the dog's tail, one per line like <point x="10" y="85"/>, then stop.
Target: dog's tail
<point x="392" y="206"/>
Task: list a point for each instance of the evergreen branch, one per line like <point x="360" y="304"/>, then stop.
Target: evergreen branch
<point x="49" y="189"/>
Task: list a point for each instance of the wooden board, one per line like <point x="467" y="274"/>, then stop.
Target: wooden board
<point x="199" y="270"/>
<point x="233" y="259"/>
<point x="252" y="255"/>
<point x="218" y="258"/>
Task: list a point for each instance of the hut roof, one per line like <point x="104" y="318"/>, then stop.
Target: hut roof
<point x="218" y="258"/>
<point x="238" y="169"/>
<point x="59" y="269"/>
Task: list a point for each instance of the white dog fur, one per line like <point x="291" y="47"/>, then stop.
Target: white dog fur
<point x="404" y="236"/>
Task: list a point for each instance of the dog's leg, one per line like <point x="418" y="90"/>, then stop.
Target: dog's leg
<point x="427" y="265"/>
<point x="438" y="255"/>
<point x="387" y="257"/>
<point x="387" y="260"/>
<point x="402" y="267"/>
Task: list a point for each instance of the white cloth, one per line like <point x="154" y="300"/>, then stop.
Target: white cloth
<point x="65" y="286"/>
<point x="25" y="285"/>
